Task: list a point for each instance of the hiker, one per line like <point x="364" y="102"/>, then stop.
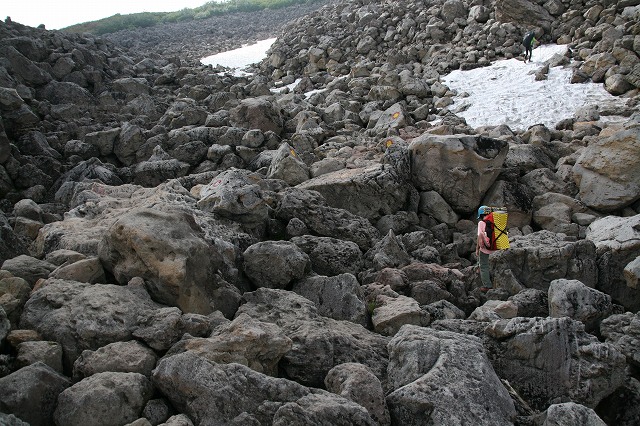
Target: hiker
<point x="482" y="250"/>
<point x="528" y="41"/>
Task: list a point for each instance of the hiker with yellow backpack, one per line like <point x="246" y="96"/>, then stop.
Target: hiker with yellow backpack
<point x="492" y="236"/>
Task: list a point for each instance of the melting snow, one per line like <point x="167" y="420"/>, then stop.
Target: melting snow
<point x="239" y="59"/>
<point x="506" y="92"/>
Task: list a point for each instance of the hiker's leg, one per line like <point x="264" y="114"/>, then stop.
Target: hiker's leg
<point x="485" y="276"/>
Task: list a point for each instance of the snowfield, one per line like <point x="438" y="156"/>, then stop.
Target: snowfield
<point x="506" y="92"/>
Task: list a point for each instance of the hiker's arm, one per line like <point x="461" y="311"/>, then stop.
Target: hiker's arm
<point x="483" y="239"/>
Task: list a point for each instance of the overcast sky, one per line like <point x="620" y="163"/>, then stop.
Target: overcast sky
<point x="63" y="13"/>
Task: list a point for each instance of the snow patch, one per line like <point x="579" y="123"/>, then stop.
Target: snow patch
<point x="239" y="59"/>
<point x="506" y="92"/>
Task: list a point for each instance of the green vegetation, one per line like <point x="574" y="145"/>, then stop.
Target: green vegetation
<point x="147" y="19"/>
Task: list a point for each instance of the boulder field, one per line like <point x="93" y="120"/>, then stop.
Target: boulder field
<point x="183" y="246"/>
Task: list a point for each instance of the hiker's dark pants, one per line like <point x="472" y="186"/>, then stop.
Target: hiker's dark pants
<point x="485" y="276"/>
<point x="528" y="52"/>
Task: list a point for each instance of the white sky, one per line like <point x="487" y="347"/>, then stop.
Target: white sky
<point x="63" y="13"/>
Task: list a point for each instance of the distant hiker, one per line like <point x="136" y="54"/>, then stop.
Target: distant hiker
<point x="482" y="249"/>
<point x="528" y="41"/>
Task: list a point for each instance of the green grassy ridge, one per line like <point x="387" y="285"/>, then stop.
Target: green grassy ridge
<point x="119" y="22"/>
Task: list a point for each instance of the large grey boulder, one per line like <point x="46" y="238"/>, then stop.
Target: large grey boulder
<point x="568" y="413"/>
<point x="36" y="385"/>
<point x="389" y="252"/>
<point x="531" y="302"/>
<point x="573" y="299"/>
<point x="548" y="358"/>
<point x="370" y="192"/>
<point x="156" y="411"/>
<point x="432" y="204"/>
<point x="493" y="310"/>
<point x="287" y="166"/>
<point x="391" y="313"/>
<point x="94" y="208"/>
<point x="28" y="209"/>
<point x="527" y="157"/>
<point x="479" y="13"/>
<point x="275" y="264"/>
<point x="339" y="297"/>
<point x="235" y="194"/>
<point x="460" y="168"/>
<point x="16" y="118"/>
<point x="453" y="9"/>
<point x="104" y="140"/>
<point x="10" y="244"/>
<point x="159" y="328"/>
<point x="311" y="208"/>
<point x="257" y="113"/>
<point x="90" y="225"/>
<point x="5" y="324"/>
<point x="617" y="241"/>
<point x="178" y="420"/>
<point x="28" y="268"/>
<point x="89" y="170"/>
<point x="357" y="383"/>
<point x="623" y="407"/>
<point x="11" y="420"/>
<point x="35" y="143"/>
<point x="212" y="393"/>
<point x="396" y="116"/>
<point x="24" y="68"/>
<point x="131" y="86"/>
<point x="534" y="260"/>
<point x="49" y="353"/>
<point x="5" y="152"/>
<point x="183" y="112"/>
<point x="541" y="181"/>
<point x="319" y="343"/>
<point x="118" y="397"/>
<point x="129" y="142"/>
<point x="123" y="357"/>
<point x="623" y="332"/>
<point x="158" y="168"/>
<point x="80" y="149"/>
<point x="441" y="377"/>
<point x="88" y="270"/>
<point x="256" y="344"/>
<point x="522" y="12"/>
<point x="556" y="213"/>
<point x="607" y="171"/>
<point x="169" y="251"/>
<point x="431" y="282"/>
<point x="330" y="256"/>
<point x="59" y="312"/>
<point x="632" y="273"/>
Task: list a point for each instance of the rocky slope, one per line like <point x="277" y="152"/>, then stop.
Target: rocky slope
<point x="196" y="39"/>
<point x="182" y="246"/>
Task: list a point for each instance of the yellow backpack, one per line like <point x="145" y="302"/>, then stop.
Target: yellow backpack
<point x="496" y="228"/>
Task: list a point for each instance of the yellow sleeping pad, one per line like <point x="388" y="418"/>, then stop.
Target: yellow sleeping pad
<point x="500" y="229"/>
